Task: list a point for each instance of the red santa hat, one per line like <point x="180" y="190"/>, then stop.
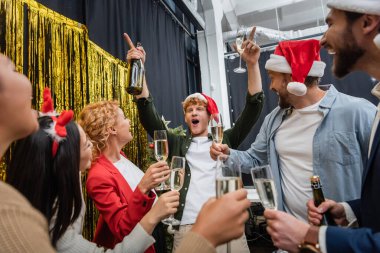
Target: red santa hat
<point x="212" y="108"/>
<point x="358" y="6"/>
<point x="300" y="58"/>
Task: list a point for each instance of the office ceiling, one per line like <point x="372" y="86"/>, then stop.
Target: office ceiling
<point x="283" y="14"/>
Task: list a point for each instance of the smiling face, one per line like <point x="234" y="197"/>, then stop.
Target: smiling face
<point x="196" y="117"/>
<point x="340" y="40"/>
<point x="278" y="84"/>
<point x="17" y="119"/>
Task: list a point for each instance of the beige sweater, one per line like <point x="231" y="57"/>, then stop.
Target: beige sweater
<point x="22" y="228"/>
<point x="194" y="243"/>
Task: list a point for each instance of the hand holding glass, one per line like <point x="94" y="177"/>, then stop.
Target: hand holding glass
<point x="228" y="179"/>
<point x="176" y="180"/>
<point x="263" y="179"/>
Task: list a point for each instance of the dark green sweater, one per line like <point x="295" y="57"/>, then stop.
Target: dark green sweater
<point x="178" y="144"/>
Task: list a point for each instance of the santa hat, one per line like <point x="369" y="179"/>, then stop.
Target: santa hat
<point x="212" y="108"/>
<point x="300" y="58"/>
<point x="359" y="6"/>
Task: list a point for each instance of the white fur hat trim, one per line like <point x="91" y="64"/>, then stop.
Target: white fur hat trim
<point x="376" y="40"/>
<point x="196" y="95"/>
<point x="279" y="63"/>
<point x="359" y="6"/>
<point x="53" y="133"/>
<point x="297" y="88"/>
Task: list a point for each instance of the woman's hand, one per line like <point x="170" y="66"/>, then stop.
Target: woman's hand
<point x="166" y="205"/>
<point x="156" y="173"/>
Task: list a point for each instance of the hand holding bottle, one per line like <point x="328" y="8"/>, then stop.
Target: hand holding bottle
<point x="134" y="52"/>
<point x="336" y="210"/>
<point x="136" y="69"/>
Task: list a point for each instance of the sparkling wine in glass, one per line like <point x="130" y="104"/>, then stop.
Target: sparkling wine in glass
<point x="161" y="148"/>
<point x="240" y="36"/>
<point x="161" y="152"/>
<point x="177" y="178"/>
<point x="263" y="179"/>
<point x="216" y="125"/>
<point x="264" y="184"/>
<point x="228" y="176"/>
<point x="228" y="179"/>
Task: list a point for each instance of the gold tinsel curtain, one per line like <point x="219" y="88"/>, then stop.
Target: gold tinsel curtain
<point x="55" y="51"/>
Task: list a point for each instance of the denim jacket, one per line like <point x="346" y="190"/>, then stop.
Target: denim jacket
<point x="340" y="145"/>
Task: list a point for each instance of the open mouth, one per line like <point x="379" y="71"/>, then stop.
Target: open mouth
<point x="195" y="122"/>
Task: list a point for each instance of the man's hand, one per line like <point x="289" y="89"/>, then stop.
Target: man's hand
<point x="251" y="51"/>
<point x="217" y="149"/>
<point x="222" y="220"/>
<point x="134" y="52"/>
<point x="155" y="174"/>
<point x="286" y="231"/>
<point x="336" y="210"/>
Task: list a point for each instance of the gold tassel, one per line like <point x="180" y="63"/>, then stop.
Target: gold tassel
<point x="60" y="56"/>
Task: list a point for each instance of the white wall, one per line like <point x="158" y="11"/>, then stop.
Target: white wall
<point x="211" y="57"/>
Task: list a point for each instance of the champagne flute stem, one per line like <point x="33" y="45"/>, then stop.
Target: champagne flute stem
<point x="228" y="247"/>
<point x="240" y="62"/>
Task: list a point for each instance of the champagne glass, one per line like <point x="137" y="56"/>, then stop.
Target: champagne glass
<point x="263" y="179"/>
<point x="161" y="152"/>
<point x="216" y="125"/>
<point x="240" y="36"/>
<point x="177" y="178"/>
<point x="228" y="179"/>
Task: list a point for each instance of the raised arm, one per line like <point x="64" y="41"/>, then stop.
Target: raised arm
<point x="251" y="55"/>
<point x="255" y="97"/>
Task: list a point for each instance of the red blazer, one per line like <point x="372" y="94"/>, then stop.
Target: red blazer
<point x="120" y="208"/>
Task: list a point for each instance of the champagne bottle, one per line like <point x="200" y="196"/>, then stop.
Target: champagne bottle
<point x="135" y="76"/>
<point x="318" y="196"/>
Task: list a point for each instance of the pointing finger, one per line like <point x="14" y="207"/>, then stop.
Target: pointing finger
<point x="252" y="34"/>
<point x="128" y="40"/>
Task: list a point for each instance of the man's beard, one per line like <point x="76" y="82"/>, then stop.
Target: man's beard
<point x="283" y="102"/>
<point x="347" y="56"/>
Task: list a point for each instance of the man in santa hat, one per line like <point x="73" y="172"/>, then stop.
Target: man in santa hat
<point x="353" y="37"/>
<point x="311" y="132"/>
<point x="199" y="183"/>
